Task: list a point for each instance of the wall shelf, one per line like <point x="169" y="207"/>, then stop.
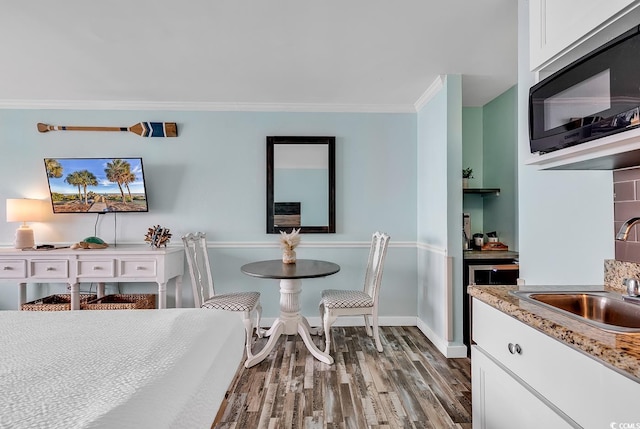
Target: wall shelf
<point x="482" y="191"/>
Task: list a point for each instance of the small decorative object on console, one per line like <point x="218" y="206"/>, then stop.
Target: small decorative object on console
<point x="289" y="242"/>
<point x="158" y="236"/>
<point x="90" y="243"/>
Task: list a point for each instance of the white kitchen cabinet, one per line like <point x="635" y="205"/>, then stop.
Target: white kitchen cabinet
<point x="556" y="27"/>
<point x="502" y="401"/>
<point x="578" y="389"/>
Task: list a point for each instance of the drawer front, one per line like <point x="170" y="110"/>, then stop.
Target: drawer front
<point x="49" y="269"/>
<point x="579" y="385"/>
<point x="138" y="268"/>
<point x="13" y="269"/>
<point x="97" y="268"/>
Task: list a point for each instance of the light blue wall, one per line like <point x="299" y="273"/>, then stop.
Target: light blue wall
<point x="432" y="214"/>
<point x="212" y="178"/>
<point x="440" y="215"/>
<point x="432" y="171"/>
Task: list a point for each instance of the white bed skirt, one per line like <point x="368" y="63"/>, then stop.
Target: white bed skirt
<point x="116" y="369"/>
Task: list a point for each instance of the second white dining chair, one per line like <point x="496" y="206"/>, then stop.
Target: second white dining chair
<point x="195" y="246"/>
<point x="336" y="302"/>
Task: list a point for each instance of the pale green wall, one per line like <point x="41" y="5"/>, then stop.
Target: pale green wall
<point x="490" y="148"/>
<point x="472" y="140"/>
<point x="472" y="156"/>
<point x="500" y="166"/>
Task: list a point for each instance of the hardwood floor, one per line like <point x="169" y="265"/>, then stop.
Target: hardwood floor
<point x="409" y="385"/>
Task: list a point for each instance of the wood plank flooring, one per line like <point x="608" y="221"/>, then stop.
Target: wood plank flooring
<point x="409" y="385"/>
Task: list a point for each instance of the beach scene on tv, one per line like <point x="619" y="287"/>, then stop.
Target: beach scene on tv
<point x="96" y="185"/>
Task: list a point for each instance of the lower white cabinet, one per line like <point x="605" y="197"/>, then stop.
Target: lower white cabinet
<point x="502" y="401"/>
<point x="522" y="377"/>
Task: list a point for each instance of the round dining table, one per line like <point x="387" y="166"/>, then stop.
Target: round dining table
<point x="290" y="321"/>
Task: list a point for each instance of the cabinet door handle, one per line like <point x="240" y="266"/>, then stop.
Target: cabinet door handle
<point x="514" y="348"/>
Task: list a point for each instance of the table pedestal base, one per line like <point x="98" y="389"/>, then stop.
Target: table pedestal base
<point x="290" y="322"/>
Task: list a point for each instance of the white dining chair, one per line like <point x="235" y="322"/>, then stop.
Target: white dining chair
<point x="336" y="302"/>
<point x="195" y="246"/>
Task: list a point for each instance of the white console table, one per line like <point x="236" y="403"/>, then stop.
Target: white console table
<point x="113" y="264"/>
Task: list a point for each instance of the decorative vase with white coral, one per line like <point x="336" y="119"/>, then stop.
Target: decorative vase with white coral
<point x="289" y="242"/>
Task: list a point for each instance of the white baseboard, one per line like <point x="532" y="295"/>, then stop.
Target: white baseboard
<point x="447" y="349"/>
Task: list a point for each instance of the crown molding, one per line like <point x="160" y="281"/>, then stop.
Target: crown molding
<point x="205" y="106"/>
<point x="432" y="90"/>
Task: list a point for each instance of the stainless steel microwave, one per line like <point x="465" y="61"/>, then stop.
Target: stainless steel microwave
<point x="595" y="96"/>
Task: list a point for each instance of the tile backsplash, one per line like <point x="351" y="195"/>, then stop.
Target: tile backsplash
<point x="626" y="204"/>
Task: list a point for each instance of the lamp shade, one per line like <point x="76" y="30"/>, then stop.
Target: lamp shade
<point x="25" y="210"/>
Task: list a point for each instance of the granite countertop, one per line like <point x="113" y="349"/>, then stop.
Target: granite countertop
<point x="619" y="351"/>
<point x="490" y="254"/>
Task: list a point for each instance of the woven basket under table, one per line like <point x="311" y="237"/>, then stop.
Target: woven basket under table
<point x="59" y="302"/>
<point x="121" y="302"/>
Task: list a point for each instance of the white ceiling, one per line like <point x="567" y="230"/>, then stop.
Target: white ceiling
<point x="369" y="54"/>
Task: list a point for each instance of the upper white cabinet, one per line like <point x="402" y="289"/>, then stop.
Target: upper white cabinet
<point x="562" y="31"/>
<point x="572" y="28"/>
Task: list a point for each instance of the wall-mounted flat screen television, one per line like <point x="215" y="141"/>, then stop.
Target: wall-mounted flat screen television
<point x="96" y="185"/>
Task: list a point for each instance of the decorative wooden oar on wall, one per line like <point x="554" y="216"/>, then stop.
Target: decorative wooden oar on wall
<point x="144" y="129"/>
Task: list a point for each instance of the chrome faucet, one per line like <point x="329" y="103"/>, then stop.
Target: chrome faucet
<point x="626" y="227"/>
<point x="633" y="286"/>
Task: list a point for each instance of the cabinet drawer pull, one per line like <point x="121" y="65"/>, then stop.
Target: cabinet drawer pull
<point x="97" y="267"/>
<point x="514" y="348"/>
<point x="139" y="268"/>
<point x="7" y="268"/>
<point x="51" y="269"/>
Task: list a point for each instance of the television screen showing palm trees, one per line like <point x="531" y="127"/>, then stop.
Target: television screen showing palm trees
<point x="96" y="185"/>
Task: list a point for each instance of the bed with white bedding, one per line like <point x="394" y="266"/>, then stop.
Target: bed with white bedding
<point x="116" y="369"/>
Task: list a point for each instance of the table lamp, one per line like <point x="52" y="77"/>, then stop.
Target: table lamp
<point x="25" y="210"/>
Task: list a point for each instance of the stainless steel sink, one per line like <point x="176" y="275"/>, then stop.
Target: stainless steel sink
<point x="605" y="310"/>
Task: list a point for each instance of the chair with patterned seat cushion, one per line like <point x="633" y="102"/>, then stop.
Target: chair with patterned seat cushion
<point x="335" y="303"/>
<point x="195" y="246"/>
